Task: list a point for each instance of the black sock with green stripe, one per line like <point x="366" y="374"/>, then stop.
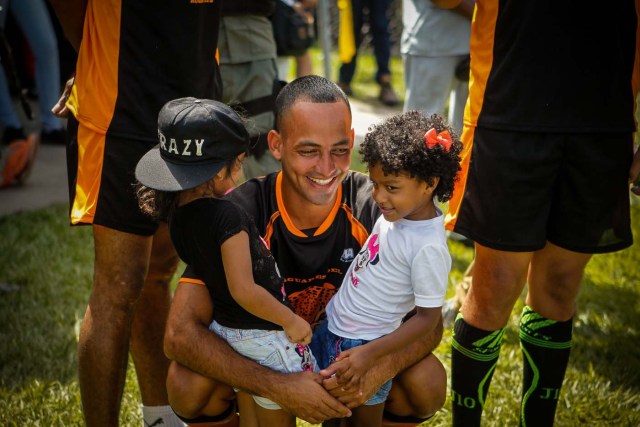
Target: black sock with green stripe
<point x="474" y="356"/>
<point x="546" y="345"/>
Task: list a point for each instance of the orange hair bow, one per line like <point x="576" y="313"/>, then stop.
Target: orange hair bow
<point x="431" y="139"/>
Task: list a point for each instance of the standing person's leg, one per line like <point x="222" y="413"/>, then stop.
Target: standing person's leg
<point x="147" y="331"/>
<point x="546" y="328"/>
<point x="457" y="102"/>
<point x="589" y="214"/>
<point x="379" y="25"/>
<point x="304" y="66"/>
<point x="498" y="280"/>
<point x="17" y="149"/>
<point x="428" y="82"/>
<point x="100" y="169"/>
<point x="35" y="22"/>
<point x="347" y="70"/>
<point x="8" y="116"/>
<point x="121" y="262"/>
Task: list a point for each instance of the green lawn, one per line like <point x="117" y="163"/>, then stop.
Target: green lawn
<point x="46" y="269"/>
<point x="45" y="279"/>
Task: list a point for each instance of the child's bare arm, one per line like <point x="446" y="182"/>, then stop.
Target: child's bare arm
<point x="253" y="298"/>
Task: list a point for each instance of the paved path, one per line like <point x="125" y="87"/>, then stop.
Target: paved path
<point x="48" y="182"/>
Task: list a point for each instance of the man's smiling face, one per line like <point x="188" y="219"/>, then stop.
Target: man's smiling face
<point x="314" y="145"/>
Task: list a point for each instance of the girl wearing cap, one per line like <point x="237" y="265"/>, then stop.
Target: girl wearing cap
<point x="199" y="160"/>
<point x="403" y="265"/>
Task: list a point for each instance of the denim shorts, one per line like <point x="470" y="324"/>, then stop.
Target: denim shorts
<point x="326" y="346"/>
<point x="269" y="348"/>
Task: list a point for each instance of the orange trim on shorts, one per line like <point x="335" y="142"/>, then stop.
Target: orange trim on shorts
<point x="93" y="100"/>
<point x="89" y="175"/>
<point x="287" y="221"/>
<point x="192" y="281"/>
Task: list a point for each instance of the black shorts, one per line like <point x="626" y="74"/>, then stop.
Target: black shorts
<point x="524" y="189"/>
<point x="102" y="183"/>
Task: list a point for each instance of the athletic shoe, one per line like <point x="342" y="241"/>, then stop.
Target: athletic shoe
<point x="17" y="160"/>
<point x="346" y="88"/>
<point x="450" y="309"/>
<point x="387" y="95"/>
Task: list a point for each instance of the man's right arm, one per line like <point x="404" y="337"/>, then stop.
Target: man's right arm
<point x="189" y="342"/>
<point x="71" y="14"/>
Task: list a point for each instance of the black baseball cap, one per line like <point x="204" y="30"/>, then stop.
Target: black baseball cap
<point x="197" y="138"/>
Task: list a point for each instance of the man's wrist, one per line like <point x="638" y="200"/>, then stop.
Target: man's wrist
<point x="272" y="386"/>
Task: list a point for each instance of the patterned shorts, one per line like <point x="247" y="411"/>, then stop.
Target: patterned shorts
<point x="269" y="348"/>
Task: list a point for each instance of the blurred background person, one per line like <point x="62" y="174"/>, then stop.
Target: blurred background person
<point x="376" y="12"/>
<point x="435" y="52"/>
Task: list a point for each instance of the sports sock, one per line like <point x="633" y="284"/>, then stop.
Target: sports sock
<point x="474" y="356"/>
<point x="546" y="345"/>
<point x="160" y="416"/>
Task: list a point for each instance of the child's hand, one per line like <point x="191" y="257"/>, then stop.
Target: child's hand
<point x="298" y="330"/>
<point x="350" y="368"/>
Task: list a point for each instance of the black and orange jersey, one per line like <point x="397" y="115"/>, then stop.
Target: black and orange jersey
<point x="136" y="55"/>
<point x="311" y="262"/>
<point x="551" y="65"/>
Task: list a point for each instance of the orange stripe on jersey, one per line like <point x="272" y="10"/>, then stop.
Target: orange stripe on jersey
<point x="287" y="220"/>
<point x="481" y="44"/>
<point x="483" y="28"/>
<point x="332" y="215"/>
<point x="269" y="231"/>
<point x="285" y="216"/>
<point x="357" y="229"/>
<point x="90" y="161"/>
<point x="192" y="281"/>
<point x="97" y="66"/>
<point x="461" y="184"/>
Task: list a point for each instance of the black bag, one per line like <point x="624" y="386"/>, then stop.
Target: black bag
<point x="293" y="34"/>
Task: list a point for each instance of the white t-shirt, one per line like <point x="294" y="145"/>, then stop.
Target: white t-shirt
<point x="402" y="264"/>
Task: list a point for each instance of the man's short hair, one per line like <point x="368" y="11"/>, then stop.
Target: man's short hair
<point x="311" y="88"/>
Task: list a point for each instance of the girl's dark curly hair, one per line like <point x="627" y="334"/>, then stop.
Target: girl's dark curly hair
<point x="398" y="145"/>
<point x="160" y="204"/>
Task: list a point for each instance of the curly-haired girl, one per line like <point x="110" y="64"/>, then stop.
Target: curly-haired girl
<point x="405" y="262"/>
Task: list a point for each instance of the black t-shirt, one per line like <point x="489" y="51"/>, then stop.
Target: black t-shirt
<point x="312" y="262"/>
<point x="553" y="66"/>
<point x="198" y="230"/>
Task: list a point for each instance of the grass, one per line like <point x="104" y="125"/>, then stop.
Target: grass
<point x="45" y="279"/>
<point x="46" y="270"/>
